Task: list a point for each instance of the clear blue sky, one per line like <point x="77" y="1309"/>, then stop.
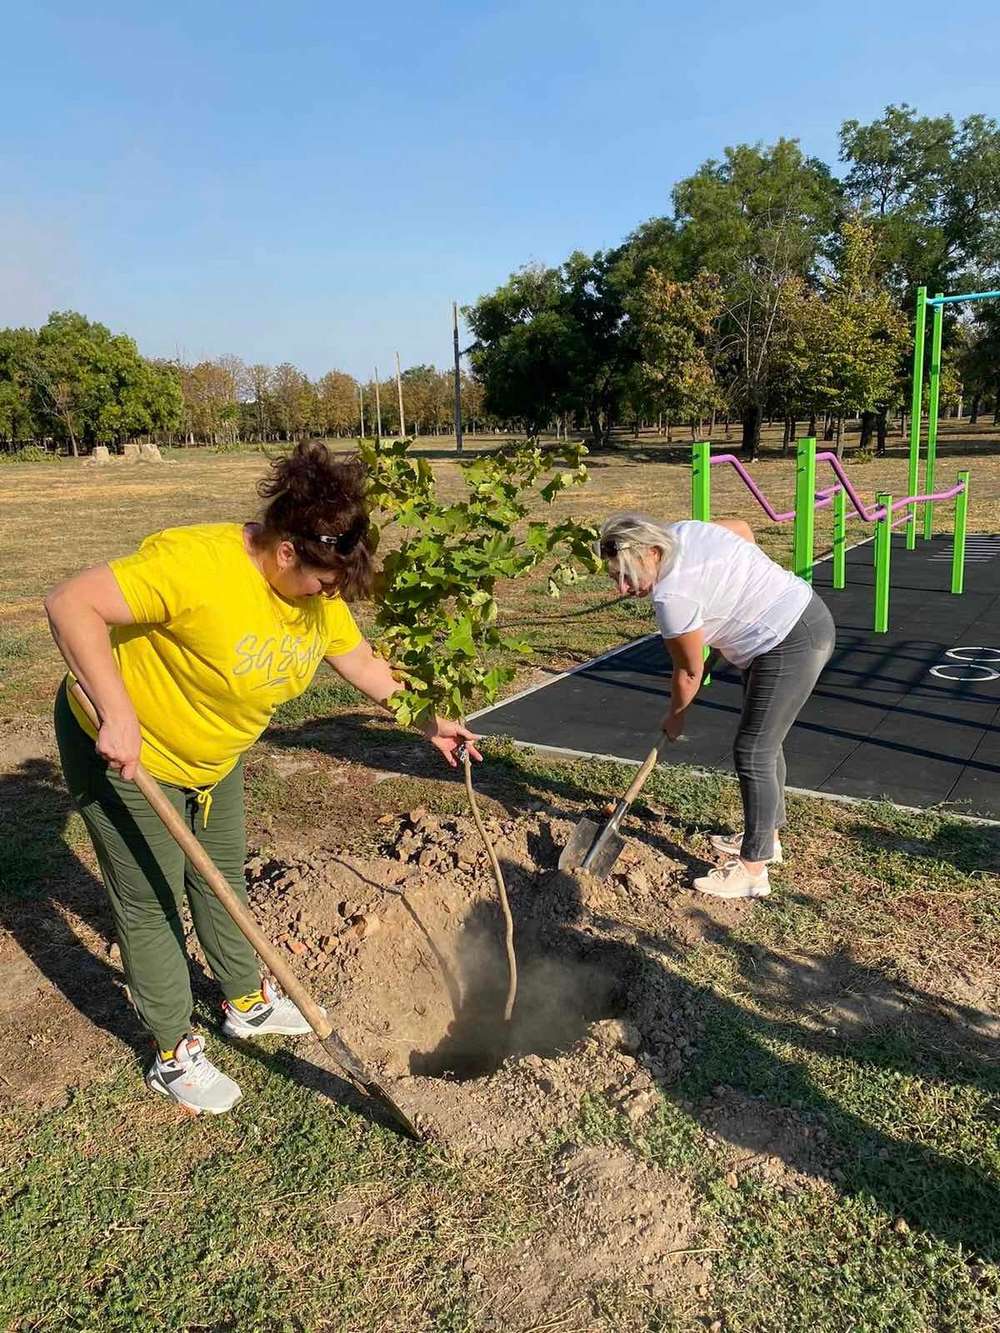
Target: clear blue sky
<point x="315" y="182"/>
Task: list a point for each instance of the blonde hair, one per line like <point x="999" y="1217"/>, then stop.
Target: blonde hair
<point x="623" y="536"/>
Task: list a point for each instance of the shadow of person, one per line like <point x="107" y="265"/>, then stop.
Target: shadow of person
<point x="44" y="885"/>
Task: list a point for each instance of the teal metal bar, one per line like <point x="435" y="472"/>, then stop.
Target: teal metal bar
<point x="961" y="521"/>
<point x="916" y="411"/>
<point x="933" y="412"/>
<point x="840" y="539"/>
<point x="805" y="508"/>
<point x="701" y="481"/>
<point x="883" y="554"/>
<point x="964" y="296"/>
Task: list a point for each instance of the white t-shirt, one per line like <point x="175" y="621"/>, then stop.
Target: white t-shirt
<point x="742" y="599"/>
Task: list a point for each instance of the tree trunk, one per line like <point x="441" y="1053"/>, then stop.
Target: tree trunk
<point x="750" y="418"/>
<point x="670" y="434"/>
<point x="996" y="405"/>
<point x="829" y="428"/>
<point x="840" y="437"/>
<point x="812" y="426"/>
<point x="867" y="430"/>
<point x="596" y="427"/>
<point x="974" y="410"/>
<point x="882" y="431"/>
<point x="729" y="433"/>
<point x="711" y="425"/>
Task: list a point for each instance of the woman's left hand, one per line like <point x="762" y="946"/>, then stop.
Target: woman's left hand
<point x="448" y="737"/>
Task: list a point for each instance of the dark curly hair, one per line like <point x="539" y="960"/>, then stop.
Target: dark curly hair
<point x="319" y="504"/>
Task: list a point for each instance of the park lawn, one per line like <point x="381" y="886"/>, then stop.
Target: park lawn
<point x="294" y="1213"/>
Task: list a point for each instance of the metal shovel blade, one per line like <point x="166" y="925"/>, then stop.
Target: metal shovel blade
<point x="588" y="837"/>
<point x="368" y="1086"/>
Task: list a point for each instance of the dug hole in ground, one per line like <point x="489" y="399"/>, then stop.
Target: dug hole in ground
<point x="406" y="950"/>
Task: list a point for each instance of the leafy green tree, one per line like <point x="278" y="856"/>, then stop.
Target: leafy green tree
<point x="931" y="188"/>
<point x="859" y="333"/>
<point x="337" y="403"/>
<point x="17" y="355"/>
<point x="674" y="324"/>
<point x="760" y="218"/>
<point x="89" y="386"/>
<point x="524" y="347"/>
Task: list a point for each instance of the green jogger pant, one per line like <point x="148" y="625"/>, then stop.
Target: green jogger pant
<point x="147" y="879"/>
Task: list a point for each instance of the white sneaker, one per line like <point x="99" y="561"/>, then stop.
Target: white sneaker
<point x="734" y="880"/>
<point x="273" y="1014"/>
<point x="192" y="1080"/>
<point x="731" y="845"/>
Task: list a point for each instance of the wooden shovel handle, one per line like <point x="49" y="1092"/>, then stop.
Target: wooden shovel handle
<point x="220" y="886"/>
<point x="648" y="764"/>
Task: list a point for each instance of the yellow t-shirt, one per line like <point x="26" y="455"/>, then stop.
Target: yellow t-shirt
<point x="214" y="649"/>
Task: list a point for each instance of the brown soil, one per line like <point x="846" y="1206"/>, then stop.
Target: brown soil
<point x="611" y="1216"/>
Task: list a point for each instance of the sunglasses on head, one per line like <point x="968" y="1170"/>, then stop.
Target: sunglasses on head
<point x="344" y="542"/>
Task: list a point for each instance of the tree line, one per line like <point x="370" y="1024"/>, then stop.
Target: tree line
<point x="773" y="289"/>
<point x="73" y="384"/>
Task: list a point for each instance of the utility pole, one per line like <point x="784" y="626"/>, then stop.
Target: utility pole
<point x="361" y="405"/>
<point x="378" y="409"/>
<point x="458" y="379"/>
<point x="399" y="391"/>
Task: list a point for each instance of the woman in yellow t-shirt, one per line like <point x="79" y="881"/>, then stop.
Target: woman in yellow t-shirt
<point x="186" y="648"/>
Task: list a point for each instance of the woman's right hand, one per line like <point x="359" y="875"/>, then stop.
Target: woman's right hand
<point x="119" y="741"/>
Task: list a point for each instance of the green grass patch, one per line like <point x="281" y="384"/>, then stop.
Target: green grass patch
<point x="14" y="647"/>
<point x="331" y="695"/>
<point x="290" y="1214"/>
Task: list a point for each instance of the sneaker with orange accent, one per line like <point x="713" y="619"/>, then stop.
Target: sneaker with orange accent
<point x="190" y="1078"/>
<point x="264" y="1013"/>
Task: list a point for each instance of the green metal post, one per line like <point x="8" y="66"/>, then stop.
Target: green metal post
<point x="916" y="410"/>
<point x="805" y="508"/>
<point x="840" y="538"/>
<point x="961" y="519"/>
<point x="701" y="481"/>
<point x="933" y="406"/>
<point x="701" y="495"/>
<point x="883" y="553"/>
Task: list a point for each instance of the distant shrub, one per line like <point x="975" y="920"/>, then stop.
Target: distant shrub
<point x="30" y="453"/>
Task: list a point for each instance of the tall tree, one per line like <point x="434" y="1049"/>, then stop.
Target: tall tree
<point x="674" y="324"/>
<point x="760" y="218"/>
<point x="931" y="189"/>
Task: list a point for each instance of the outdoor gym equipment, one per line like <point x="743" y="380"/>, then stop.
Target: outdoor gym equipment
<point x="808" y="501"/>
<point x="937" y="303"/>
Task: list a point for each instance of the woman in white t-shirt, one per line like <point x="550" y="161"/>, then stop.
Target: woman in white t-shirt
<point x="711" y="585"/>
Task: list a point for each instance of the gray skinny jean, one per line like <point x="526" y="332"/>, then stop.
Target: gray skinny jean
<point x="776" y="686"/>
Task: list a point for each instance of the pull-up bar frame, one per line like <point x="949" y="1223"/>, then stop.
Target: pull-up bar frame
<point x="936" y="304"/>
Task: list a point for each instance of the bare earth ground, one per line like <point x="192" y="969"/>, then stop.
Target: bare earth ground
<point x="674" y="1062"/>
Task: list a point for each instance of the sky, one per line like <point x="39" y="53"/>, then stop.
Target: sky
<point x="317" y="182"/>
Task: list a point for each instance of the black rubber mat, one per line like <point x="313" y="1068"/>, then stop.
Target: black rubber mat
<point x="912" y="715"/>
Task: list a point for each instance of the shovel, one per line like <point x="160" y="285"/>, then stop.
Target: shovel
<point x="596" y="848"/>
<point x="342" y="1055"/>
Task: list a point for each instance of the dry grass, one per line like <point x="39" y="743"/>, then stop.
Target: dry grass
<point x="58" y="519"/>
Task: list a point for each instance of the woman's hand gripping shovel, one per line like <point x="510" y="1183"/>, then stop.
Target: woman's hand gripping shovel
<point x="595" y="847"/>
<point x="338" y="1050"/>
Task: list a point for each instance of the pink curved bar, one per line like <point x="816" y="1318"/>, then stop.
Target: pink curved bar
<point x="825" y="497"/>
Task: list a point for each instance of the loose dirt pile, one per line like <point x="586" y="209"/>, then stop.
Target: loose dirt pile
<point x="405" y="949"/>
